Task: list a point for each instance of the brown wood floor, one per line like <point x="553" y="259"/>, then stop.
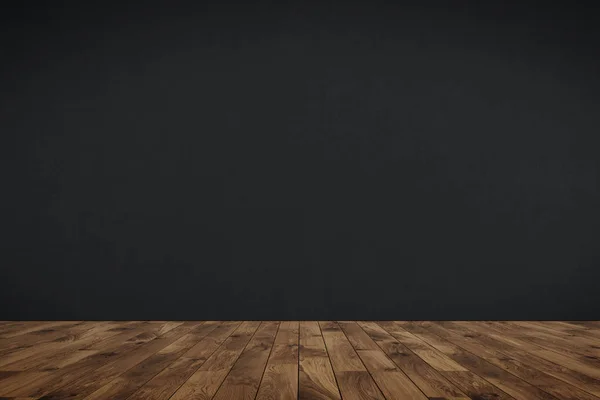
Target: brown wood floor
<point x="306" y="360"/>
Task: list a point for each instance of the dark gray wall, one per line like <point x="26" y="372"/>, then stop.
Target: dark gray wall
<point x="356" y="161"/>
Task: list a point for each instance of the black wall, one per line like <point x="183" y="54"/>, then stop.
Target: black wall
<point x="362" y="160"/>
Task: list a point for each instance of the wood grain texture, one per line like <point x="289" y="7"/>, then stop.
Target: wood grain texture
<point x="412" y="360"/>
<point x="243" y="380"/>
<point x="316" y="378"/>
<point x="502" y="379"/>
<point x="94" y="376"/>
<point x="205" y="382"/>
<point x="280" y="379"/>
<point x="430" y="381"/>
<point x="354" y="381"/>
<point x="159" y="381"/>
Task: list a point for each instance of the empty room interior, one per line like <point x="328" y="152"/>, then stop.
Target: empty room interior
<point x="300" y="200"/>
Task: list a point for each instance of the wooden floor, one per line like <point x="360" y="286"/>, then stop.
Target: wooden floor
<point x="306" y="360"/>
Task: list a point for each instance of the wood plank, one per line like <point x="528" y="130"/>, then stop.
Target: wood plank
<point x="24" y="328"/>
<point x="431" y="382"/>
<point x="162" y="327"/>
<point x="588" y="333"/>
<point x="475" y="386"/>
<point x="358" y="385"/>
<point x="353" y="379"/>
<point x="91" y="378"/>
<point x="396" y="385"/>
<point x="393" y="383"/>
<point x="358" y="337"/>
<point x="530" y="368"/>
<point x="578" y="364"/>
<point x="156" y="378"/>
<point x="244" y="379"/>
<point x="377" y="361"/>
<point x="342" y="354"/>
<point x="316" y="378"/>
<point x="60" y="377"/>
<point x="288" y="333"/>
<point x="165" y="384"/>
<point x="205" y="382"/>
<point x="38" y="355"/>
<point x="578" y="347"/>
<point x="63" y="370"/>
<point x="545" y="360"/>
<point x="153" y="365"/>
<point x="503" y="380"/>
<point x="500" y="334"/>
<point x="280" y="379"/>
<point x="107" y="351"/>
<point x="7" y="374"/>
<point x="311" y="340"/>
<point x="36" y="337"/>
<point x="29" y="352"/>
<point x="471" y="384"/>
<point x="432" y="356"/>
<point x="79" y="350"/>
<point x="21" y="380"/>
